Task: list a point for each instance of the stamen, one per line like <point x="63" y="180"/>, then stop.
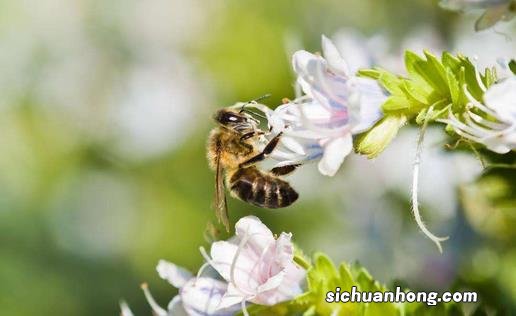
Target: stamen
<point x="302" y="99"/>
<point x="478" y="104"/>
<point x="460" y="132"/>
<point x="455" y="122"/>
<point x="158" y="310"/>
<point x="201" y="269"/>
<point x="205" y="255"/>
<point x="486" y="123"/>
<point x="244" y="309"/>
<point x="125" y="310"/>
<point x="486" y="132"/>
<point x="415" y="181"/>
<point x="298" y="90"/>
<point x="475" y="126"/>
<point x="477" y="76"/>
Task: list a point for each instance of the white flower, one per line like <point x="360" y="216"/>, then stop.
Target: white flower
<point x="470" y="4"/>
<point x="258" y="268"/>
<point x="336" y="105"/>
<point x="495" y="10"/>
<point x="497" y="134"/>
<point x="198" y="296"/>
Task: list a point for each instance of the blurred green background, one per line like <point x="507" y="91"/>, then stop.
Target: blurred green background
<point x="105" y="108"/>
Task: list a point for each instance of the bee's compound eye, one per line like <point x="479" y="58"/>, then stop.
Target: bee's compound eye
<point x="229" y="117"/>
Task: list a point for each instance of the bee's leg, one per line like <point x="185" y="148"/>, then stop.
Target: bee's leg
<point x="284" y="170"/>
<point x="251" y="134"/>
<point x="266" y="152"/>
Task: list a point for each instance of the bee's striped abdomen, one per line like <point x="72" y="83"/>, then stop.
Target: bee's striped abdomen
<point x="263" y="190"/>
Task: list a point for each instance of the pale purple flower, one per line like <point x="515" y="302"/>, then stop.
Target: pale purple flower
<point x="336" y="105"/>
<point x="258" y="267"/>
<point x="497" y="133"/>
<point x="198" y="296"/>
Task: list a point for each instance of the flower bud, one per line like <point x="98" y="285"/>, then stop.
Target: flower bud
<point x="373" y="142"/>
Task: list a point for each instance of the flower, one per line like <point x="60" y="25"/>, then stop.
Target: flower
<point x="336" y="105"/>
<point x="459" y="5"/>
<point x="495" y="10"/>
<point x="258" y="268"/>
<point x="493" y="123"/>
<point x="198" y="296"/>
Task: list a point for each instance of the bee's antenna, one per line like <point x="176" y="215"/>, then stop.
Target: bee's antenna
<point x="265" y="96"/>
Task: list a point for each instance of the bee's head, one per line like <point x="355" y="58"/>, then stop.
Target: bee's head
<point x="238" y="121"/>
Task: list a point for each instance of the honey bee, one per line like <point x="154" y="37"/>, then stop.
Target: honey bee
<point x="233" y="153"/>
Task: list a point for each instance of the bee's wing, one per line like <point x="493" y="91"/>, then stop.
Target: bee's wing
<point x="220" y="203"/>
<point x="493" y="15"/>
<point x="211" y="233"/>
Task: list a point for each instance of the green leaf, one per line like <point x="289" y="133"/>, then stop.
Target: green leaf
<point x="345" y="276"/>
<point x="390" y="82"/>
<point x="453" y="86"/>
<point x="395" y="103"/>
<point x="416" y="94"/>
<point x="370" y="73"/>
<point x="426" y="71"/>
<point x="470" y="77"/>
<point x="451" y="62"/>
<point x="439" y="71"/>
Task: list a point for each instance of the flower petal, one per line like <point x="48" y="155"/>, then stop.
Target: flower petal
<point x="305" y="65"/>
<point x="333" y="57"/>
<point x="500" y="144"/>
<point x="334" y="153"/>
<point x="289" y="287"/>
<point x="294" y="277"/>
<point x="271" y="284"/>
<point x="203" y="296"/>
<point x="231" y="298"/>
<point x="175" y="275"/>
<point x="371" y="99"/>
<point x="293" y="145"/>
<point x="176" y="308"/>
<point x="501" y="98"/>
<point x="260" y="235"/>
<point x="284" y="249"/>
<point x="223" y="255"/>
